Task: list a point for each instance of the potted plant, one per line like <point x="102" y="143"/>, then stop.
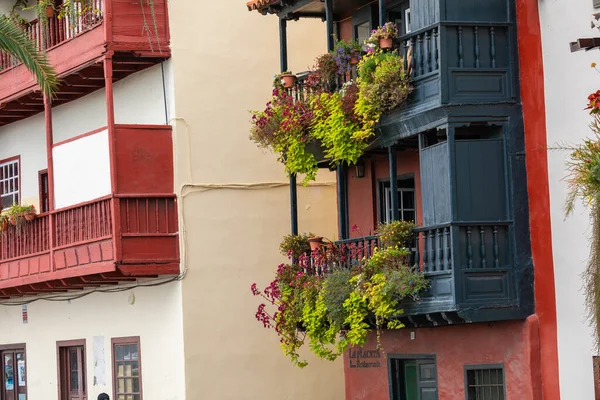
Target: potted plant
<point x="287" y="79"/>
<point x="29" y="213"/>
<point x="315" y="242"/>
<point x="384" y="35"/>
<point x="346" y="54"/>
<point x="295" y="246"/>
<point x="17" y="213"/>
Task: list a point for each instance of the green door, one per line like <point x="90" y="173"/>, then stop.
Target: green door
<point x="413" y="379"/>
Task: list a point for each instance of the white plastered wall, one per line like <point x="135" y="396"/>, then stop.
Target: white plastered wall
<point x="139" y="99"/>
<point x="82" y="170"/>
<point x="153" y="314"/>
<point x="569" y="79"/>
<point x="26" y="139"/>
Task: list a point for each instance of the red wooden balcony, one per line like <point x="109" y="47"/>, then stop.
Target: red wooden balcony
<point x="129" y="232"/>
<point x="122" y="30"/>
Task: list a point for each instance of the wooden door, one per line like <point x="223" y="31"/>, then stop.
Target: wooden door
<point x="72" y="373"/>
<point x="14" y="380"/>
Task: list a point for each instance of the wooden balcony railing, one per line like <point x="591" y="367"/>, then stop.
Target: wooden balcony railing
<point x="425" y="47"/>
<point x="149" y="217"/>
<point x="27" y="238"/>
<point x="91" y="221"/>
<point x="85" y="16"/>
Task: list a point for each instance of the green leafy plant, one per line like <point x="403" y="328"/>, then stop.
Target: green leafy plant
<point x="295" y="246"/>
<point x="396" y="233"/>
<point x="384" y="82"/>
<point x="315" y="301"/>
<point x="283" y="127"/>
<point x="343" y="139"/>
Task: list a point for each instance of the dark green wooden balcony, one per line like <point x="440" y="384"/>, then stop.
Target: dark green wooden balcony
<point x="469" y="267"/>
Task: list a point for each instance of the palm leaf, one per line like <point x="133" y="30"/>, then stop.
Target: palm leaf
<point x="14" y="41"/>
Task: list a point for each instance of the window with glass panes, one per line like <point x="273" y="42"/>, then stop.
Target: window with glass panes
<point x="127" y="368"/>
<point x="407" y="208"/>
<point x="9" y="182"/>
<point x="485" y="382"/>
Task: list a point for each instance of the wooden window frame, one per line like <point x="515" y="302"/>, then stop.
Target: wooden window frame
<point x="479" y="367"/>
<point x="381" y="194"/>
<point x="15" y="347"/>
<point x="20" y="177"/>
<point x="71" y="343"/>
<point x="41" y="191"/>
<point x="124" y="341"/>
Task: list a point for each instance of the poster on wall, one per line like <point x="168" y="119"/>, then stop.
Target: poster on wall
<point x="9" y="379"/>
<point x="21" y="372"/>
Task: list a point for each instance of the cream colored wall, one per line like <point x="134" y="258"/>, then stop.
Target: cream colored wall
<point x="223" y="67"/>
<point x="153" y="314"/>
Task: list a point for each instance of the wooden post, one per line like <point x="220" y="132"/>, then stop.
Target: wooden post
<point x="112" y="146"/>
<point x="283" y="65"/>
<point x="342" y="201"/>
<point x="382" y="16"/>
<point x="50" y="161"/>
<point x="283" y="57"/>
<point x="329" y="21"/>
<point x="393" y="183"/>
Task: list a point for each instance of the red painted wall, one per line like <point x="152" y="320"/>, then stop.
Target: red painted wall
<point x="512" y="343"/>
<point x="534" y="117"/>
<point x="363" y="203"/>
<point x="345" y="28"/>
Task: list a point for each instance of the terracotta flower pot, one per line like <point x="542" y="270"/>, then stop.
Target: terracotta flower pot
<point x="13" y="220"/>
<point x="354" y="61"/>
<point x="49" y="11"/>
<point x="386" y="43"/>
<point x="29" y="215"/>
<point x="315" y="243"/>
<point x="288" y="80"/>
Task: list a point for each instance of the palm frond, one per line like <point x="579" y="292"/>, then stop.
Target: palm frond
<point x="14" y="41"/>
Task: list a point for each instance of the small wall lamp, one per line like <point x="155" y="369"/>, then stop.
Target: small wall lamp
<point x="359" y="169"/>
